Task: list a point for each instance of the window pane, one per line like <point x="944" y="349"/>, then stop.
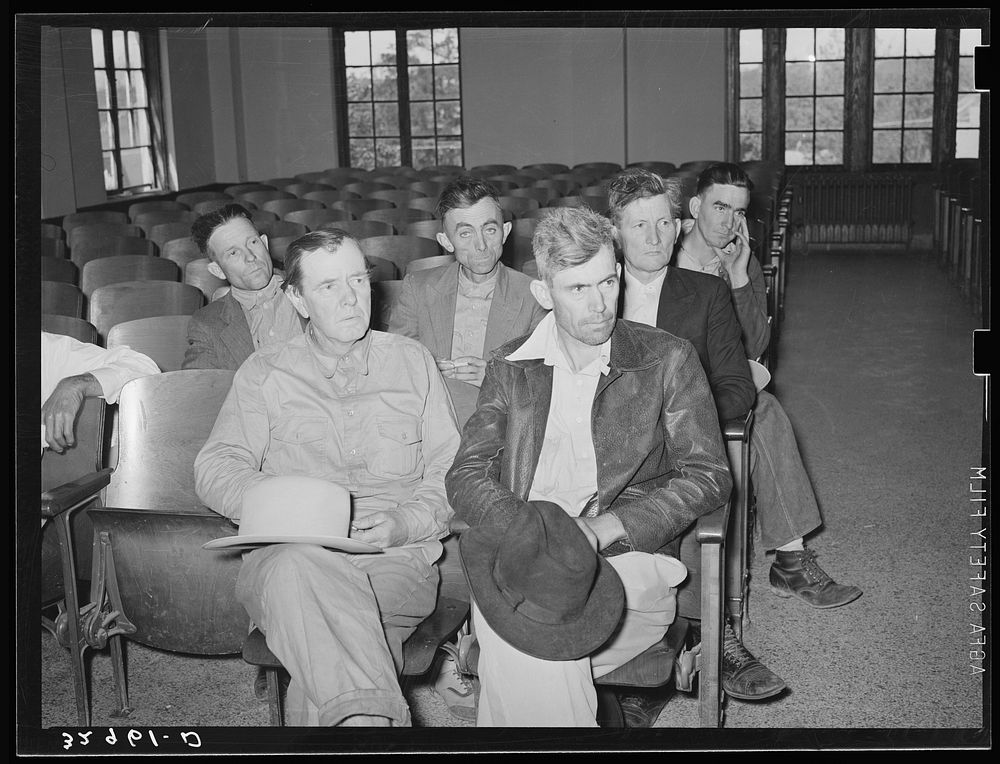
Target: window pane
<point x="446" y="81"/>
<point x="387" y="153"/>
<point x="750" y="80"/>
<point x="968" y="39"/>
<point x="123" y="90"/>
<point x="359" y="84"/>
<point x="446" y="46"/>
<point x="103" y="96"/>
<point x="918" y="110"/>
<point x="134" y="51"/>
<point x="356" y="52"/>
<point x="920" y="75"/>
<point x="423" y="153"/>
<point x="886" y="146"/>
<point x="422" y="119"/>
<point x="118" y="48"/>
<point x="920" y="42"/>
<point x="798" y="44"/>
<point x="799" y="79"/>
<point x="384" y="47"/>
<point x="888" y="42"/>
<point x="750" y="147"/>
<point x="829" y="148"/>
<point x="889" y="76"/>
<point x="107" y="131"/>
<point x="917" y="146"/>
<point x="830" y="77"/>
<point x="798" y="148"/>
<point x="449" y="118"/>
<point x="751" y="45"/>
<point x="384" y="83"/>
<point x="137" y="167"/>
<point x="421" y="83"/>
<point x="387" y="119"/>
<point x="966" y="74"/>
<point x="363" y="153"/>
<point x="142" y="134"/>
<point x="126" y="135"/>
<point x="968" y="110"/>
<point x="450" y="152"/>
<point x="139" y="89"/>
<point x="888" y="111"/>
<point x="359" y="119"/>
<point x="97" y="43"/>
<point x="799" y="114"/>
<point x="830" y="113"/>
<point x="750" y="115"/>
<point x="829" y="44"/>
<point x="110" y="172"/>
<point x="418" y="46"/>
<point x="967" y="144"/>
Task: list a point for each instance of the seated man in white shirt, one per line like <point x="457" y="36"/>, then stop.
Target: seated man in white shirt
<point x="615" y="423"/>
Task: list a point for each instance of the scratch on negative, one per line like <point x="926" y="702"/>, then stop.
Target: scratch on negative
<point x="202" y="27"/>
<point x="142" y="415"/>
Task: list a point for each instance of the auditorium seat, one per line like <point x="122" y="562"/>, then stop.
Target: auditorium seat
<point x="192" y="198"/>
<point x="358" y="207"/>
<point x="114" y="303"/>
<point x="433" y="261"/>
<point x="543" y="169"/>
<point x="327" y="198"/>
<point x="660" y="168"/>
<point x="424" y="204"/>
<point x="113" y="270"/>
<point x="400" y="249"/>
<point x="517" y="180"/>
<point x="162" y="338"/>
<point x="158" y="206"/>
<point x="397" y="218"/>
<point x="61" y="299"/>
<point x="384" y="297"/>
<point x="280" y="183"/>
<point x="301" y="188"/>
<point x="361" y="229"/>
<point x="486" y="170"/>
<point x="542" y="195"/>
<point x="164" y="232"/>
<point x="93" y="231"/>
<point x="518" y="205"/>
<point x="430" y="188"/>
<point x="282" y="207"/>
<point x="428" y="229"/>
<point x="210" y="205"/>
<point x="181" y="251"/>
<point x="59" y="269"/>
<point x="147" y="220"/>
<point x="366" y="187"/>
<point x="89" y="250"/>
<point x="50" y="247"/>
<point x="398" y="197"/>
<point x="70" y="326"/>
<point x="197" y="275"/>
<point x="382" y="269"/>
<point x="562" y="186"/>
<point x="258" y="197"/>
<point x="70" y="221"/>
<point x="241" y="188"/>
<point x="52" y="231"/>
<point x="313" y="219"/>
<point x="273" y="228"/>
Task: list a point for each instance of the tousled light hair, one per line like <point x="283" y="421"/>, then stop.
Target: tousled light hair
<point x="567" y="237"/>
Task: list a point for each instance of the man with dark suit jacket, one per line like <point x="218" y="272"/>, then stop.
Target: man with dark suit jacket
<point x="255" y="312"/>
<point x="645" y="210"/>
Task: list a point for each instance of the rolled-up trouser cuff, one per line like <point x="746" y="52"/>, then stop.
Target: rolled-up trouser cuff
<point x="367" y="702"/>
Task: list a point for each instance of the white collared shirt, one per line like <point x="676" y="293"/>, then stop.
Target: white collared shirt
<point x="472" y="313"/>
<point x="567" y="465"/>
<point x="270" y="315"/>
<point x="642" y="301"/>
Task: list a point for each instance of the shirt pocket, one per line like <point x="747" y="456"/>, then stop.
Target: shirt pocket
<point x="299" y="446"/>
<point x="397" y="446"/>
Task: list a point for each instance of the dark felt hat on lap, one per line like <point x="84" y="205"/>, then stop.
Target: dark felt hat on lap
<point x="540" y="585"/>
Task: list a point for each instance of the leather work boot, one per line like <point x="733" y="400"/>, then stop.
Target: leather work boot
<point x="641" y="708"/>
<point x="743" y="676"/>
<point x="798" y="573"/>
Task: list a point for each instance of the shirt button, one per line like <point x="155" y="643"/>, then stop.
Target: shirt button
<point x="350" y="412"/>
<point x="354" y="451"/>
<point x="579" y="419"/>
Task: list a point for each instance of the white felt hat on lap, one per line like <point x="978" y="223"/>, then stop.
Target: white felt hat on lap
<point x="295" y="509"/>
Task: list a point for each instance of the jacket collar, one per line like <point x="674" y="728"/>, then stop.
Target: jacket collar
<point x="628" y="352"/>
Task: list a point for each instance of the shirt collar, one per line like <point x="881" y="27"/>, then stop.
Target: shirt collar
<point x="632" y="284"/>
<point x="251" y="298"/>
<point x="356" y="359"/>
<point x="543" y="343"/>
<point x="687" y="261"/>
<point x="468" y="288"/>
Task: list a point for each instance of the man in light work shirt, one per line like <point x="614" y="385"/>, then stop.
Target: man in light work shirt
<point x="255" y="312"/>
<point x="614" y="422"/>
<point x="366" y="410"/>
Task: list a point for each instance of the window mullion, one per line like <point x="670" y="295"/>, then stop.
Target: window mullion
<point x="111" y="69"/>
<point x="774" y="94"/>
<point x="403" y="97"/>
<point x="859" y="71"/>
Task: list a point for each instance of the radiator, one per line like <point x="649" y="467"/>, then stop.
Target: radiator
<point x="854" y="208"/>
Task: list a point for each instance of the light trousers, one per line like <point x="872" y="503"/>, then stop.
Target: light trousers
<point x="337" y="623"/>
<point x="519" y="690"/>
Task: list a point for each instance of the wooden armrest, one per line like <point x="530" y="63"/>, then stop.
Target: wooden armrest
<point x="68" y="495"/>
<point x="711" y="528"/>
<point x="738" y="429"/>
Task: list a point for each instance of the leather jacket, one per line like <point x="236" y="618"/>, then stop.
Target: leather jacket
<point x="661" y="461"/>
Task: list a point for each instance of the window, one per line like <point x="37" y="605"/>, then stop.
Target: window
<point x="903" y="96"/>
<point x="123" y="103"/>
<point x="404" y="102"/>
<point x="967" y="131"/>
<point x="814" y="96"/>
<point x="751" y="94"/>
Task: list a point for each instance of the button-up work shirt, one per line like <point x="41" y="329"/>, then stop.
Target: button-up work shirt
<point x="642" y="301"/>
<point x="377" y="421"/>
<point x="269" y="313"/>
<point x="472" y="312"/>
<point x="567" y="465"/>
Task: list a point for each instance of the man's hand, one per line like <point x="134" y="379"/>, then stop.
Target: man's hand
<point x="466" y="368"/>
<point x="736" y="255"/>
<point x="374" y="526"/>
<point x="60" y="410"/>
<point x="584" y="524"/>
<point x="601" y="531"/>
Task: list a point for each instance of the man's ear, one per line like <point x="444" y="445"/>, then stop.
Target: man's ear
<point x="445" y="242"/>
<point x="297" y="302"/>
<point x="694" y="204"/>
<point x="215" y="270"/>
<point x="263" y="238"/>
<point x="540" y="291"/>
<point x="506" y="230"/>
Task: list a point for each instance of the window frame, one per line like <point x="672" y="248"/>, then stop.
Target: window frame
<point x="403" y="99"/>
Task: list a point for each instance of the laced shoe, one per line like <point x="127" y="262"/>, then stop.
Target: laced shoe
<point x="743" y="676"/>
<point x="458" y="690"/>
<point x="640" y="709"/>
<point x="798" y="574"/>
